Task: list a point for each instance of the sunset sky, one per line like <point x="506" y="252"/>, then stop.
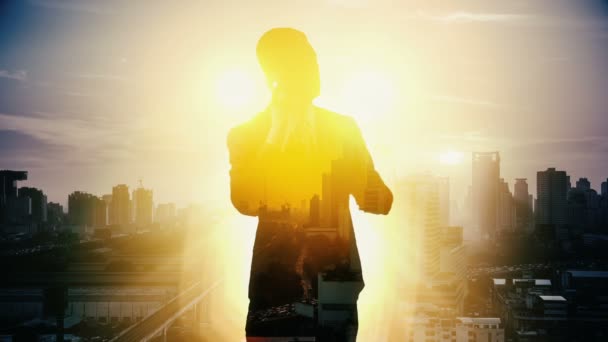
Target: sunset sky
<point x="95" y="93"/>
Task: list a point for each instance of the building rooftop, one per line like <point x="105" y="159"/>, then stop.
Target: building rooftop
<point x="595" y="236"/>
<point x="499" y="281"/>
<point x="552" y="298"/>
<point x="537" y="282"/>
<point x="588" y="274"/>
<point x="479" y="320"/>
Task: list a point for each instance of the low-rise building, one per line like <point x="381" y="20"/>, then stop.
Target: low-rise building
<point x="453" y="329"/>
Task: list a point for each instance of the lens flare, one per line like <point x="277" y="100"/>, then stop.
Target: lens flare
<point x="451" y="157"/>
<point x="235" y="89"/>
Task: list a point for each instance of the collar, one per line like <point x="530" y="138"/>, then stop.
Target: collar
<point x="309" y="116"/>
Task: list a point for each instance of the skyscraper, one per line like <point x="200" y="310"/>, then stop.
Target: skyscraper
<point x="485" y="187"/>
<point x="420" y="197"/>
<point x="165" y="213"/>
<point x="583" y="184"/>
<point x="435" y="270"/>
<point x="8" y="190"/>
<point x="315" y="211"/>
<point x="81" y="208"/>
<point x="144" y="206"/>
<point x="8" y="182"/>
<point x="552" y="191"/>
<point x="39" y="202"/>
<point x="374" y="197"/>
<point x="55" y="215"/>
<point x="101" y="208"/>
<point x="444" y="201"/>
<point x="120" y="208"/>
<point x="523" y="205"/>
<point x="107" y="198"/>
<point x="506" y="208"/>
<point x="334" y="192"/>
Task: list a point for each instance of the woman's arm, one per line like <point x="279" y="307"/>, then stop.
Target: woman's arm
<point x="369" y="190"/>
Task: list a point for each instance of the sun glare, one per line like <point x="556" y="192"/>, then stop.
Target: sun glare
<point x="368" y="94"/>
<point x="451" y="157"/>
<point x="235" y="89"/>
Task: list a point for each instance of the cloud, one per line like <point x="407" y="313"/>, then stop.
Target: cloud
<point x="71" y="5"/>
<point x="19" y="149"/>
<point x="471" y="17"/>
<point x="464" y="100"/>
<point x="592" y="146"/>
<point x="103" y="77"/>
<point x="18" y="75"/>
<point x="79" y="94"/>
<point x="349" y="3"/>
<point x="467" y="136"/>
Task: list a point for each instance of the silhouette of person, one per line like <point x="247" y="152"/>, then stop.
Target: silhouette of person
<point x="295" y="166"/>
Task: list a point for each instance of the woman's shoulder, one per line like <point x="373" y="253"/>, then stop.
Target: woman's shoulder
<point x="250" y="128"/>
<point x="336" y="121"/>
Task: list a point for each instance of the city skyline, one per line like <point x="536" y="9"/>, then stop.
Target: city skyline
<point x="460" y="200"/>
<point x="453" y="211"/>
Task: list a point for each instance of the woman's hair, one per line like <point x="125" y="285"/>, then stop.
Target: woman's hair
<point x="286" y="56"/>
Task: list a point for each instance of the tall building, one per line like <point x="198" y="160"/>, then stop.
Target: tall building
<point x="38" y="203"/>
<point x="420" y="196"/>
<point x="8" y="183"/>
<point x="315" y="211"/>
<point x="55" y="214"/>
<point x="444" y="201"/>
<point x="583" y="184"/>
<point x="143" y="206"/>
<point x="485" y="189"/>
<point x="107" y="198"/>
<point x="506" y="208"/>
<point x="434" y="272"/>
<point x="334" y="192"/>
<point x="120" y="207"/>
<point x="82" y="208"/>
<point x="101" y="210"/>
<point x="523" y="205"/>
<point x="605" y="188"/>
<point x="470" y="233"/>
<point x="8" y="191"/>
<point x="165" y="213"/>
<point x="453" y="260"/>
<point x="585" y="212"/>
<point x="552" y="193"/>
<point x="375" y="197"/>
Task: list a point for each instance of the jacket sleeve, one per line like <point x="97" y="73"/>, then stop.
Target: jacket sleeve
<point x="246" y="174"/>
<point x="369" y="190"/>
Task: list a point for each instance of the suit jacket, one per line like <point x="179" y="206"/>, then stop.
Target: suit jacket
<point x="301" y="197"/>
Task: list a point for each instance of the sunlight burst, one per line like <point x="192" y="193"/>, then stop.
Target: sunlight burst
<point x="451" y="157"/>
<point x="368" y="95"/>
<point x="235" y="89"/>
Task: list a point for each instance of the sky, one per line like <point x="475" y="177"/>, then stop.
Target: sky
<point x="93" y="94"/>
<point x="98" y="93"/>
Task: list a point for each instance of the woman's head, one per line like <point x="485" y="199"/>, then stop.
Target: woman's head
<point x="290" y="65"/>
